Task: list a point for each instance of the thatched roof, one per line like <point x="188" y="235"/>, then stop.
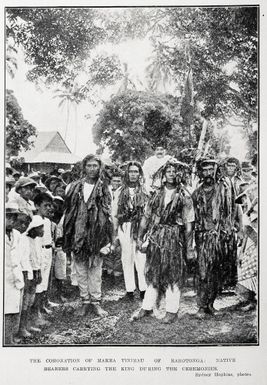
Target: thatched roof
<point x="49" y="147"/>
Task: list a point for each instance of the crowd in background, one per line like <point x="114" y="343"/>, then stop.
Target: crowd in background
<point x="153" y="224"/>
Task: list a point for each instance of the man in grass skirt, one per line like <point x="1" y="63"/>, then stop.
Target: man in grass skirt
<point x="213" y="209"/>
<point x="167" y="224"/>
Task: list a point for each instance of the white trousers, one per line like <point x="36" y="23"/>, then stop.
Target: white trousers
<point x="172" y="297"/>
<point x="89" y="279"/>
<point x="60" y="264"/>
<point x="46" y="264"/>
<point x="130" y="258"/>
<point x="73" y="274"/>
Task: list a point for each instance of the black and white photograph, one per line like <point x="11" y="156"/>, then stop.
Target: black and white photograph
<point x="131" y="176"/>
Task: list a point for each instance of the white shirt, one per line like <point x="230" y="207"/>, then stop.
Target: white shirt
<point x="188" y="213"/>
<point x="36" y="253"/>
<point x="14" y="280"/>
<point x="87" y="190"/>
<point x="168" y="196"/>
<point x="47" y="237"/>
<point x="12" y="195"/>
<point x="132" y="192"/>
<point x="24" y="247"/>
<point x="151" y="165"/>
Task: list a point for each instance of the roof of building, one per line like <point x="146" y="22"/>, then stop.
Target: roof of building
<point x="49" y="147"/>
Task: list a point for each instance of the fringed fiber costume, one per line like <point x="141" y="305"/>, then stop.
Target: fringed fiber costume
<point x="166" y="264"/>
<point x="87" y="225"/>
<point x="212" y="216"/>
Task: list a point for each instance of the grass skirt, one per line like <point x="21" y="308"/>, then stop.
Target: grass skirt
<point x="165" y="264"/>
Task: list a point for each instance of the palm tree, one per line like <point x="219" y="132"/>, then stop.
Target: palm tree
<point x="161" y="78"/>
<point x="70" y="96"/>
<point x="128" y="82"/>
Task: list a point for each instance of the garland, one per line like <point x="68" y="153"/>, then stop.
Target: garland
<point x="131" y="209"/>
<point x="165" y="215"/>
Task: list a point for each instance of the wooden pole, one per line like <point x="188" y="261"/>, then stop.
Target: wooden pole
<point x="202" y="138"/>
<point x="199" y="152"/>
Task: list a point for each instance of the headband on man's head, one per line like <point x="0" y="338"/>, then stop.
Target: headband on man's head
<point x="170" y="162"/>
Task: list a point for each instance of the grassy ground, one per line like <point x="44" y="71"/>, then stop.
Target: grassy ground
<point x="229" y="326"/>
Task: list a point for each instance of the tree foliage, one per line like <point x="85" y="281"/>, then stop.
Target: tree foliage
<point x="19" y="132"/>
<point x="220" y="45"/>
<point x="132" y="123"/>
<point x="56" y="41"/>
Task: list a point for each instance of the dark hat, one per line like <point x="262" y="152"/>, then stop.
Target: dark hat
<point x="49" y="180"/>
<point x="23" y="182"/>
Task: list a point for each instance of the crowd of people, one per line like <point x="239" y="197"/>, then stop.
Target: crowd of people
<point x="155" y="225"/>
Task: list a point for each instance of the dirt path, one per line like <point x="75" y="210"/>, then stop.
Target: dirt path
<point x="230" y="325"/>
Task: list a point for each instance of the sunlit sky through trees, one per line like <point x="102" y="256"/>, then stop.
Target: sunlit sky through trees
<point x="40" y="107"/>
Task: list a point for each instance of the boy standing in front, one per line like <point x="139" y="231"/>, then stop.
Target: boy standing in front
<point x="30" y="247"/>
<point x="14" y="281"/>
<point x="43" y="204"/>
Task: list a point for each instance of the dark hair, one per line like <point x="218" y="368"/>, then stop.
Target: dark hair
<point x="42" y="197"/>
<point x="61" y="185"/>
<point x="11" y="214"/>
<point x="202" y="162"/>
<point x="32" y="232"/>
<point x="117" y="174"/>
<point x="76" y="172"/>
<point x="44" y="177"/>
<point x="136" y="164"/>
<point x="89" y="158"/>
<point x="233" y="160"/>
<point x="184" y="167"/>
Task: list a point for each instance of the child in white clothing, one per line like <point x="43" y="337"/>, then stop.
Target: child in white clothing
<point x="14" y="281"/>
